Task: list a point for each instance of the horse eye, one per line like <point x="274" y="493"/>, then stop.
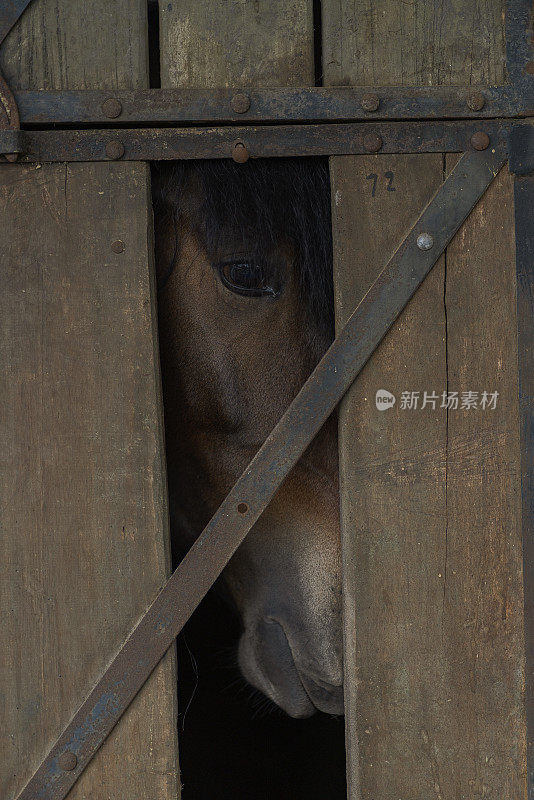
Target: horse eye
<point x="247" y="278"/>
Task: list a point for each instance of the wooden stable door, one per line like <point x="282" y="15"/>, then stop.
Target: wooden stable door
<point x="430" y="491"/>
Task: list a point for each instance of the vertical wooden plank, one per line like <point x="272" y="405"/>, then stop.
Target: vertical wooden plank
<point x="482" y="591"/>
<point x="392" y="467"/>
<point x="384" y="43"/>
<point x="236" y="43"/>
<point x="83" y="507"/>
<point x="433" y="653"/>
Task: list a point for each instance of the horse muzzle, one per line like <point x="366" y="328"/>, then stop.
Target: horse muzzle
<point x="268" y="663"/>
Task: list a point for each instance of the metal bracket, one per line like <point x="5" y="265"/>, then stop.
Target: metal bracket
<point x="354" y="345"/>
<point x="11" y="140"/>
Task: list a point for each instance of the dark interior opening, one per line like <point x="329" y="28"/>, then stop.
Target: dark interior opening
<point x="236" y="744"/>
<point x="233" y="741"/>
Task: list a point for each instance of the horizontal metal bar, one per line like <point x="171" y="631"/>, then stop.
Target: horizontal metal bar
<point x="153" y="144"/>
<point x="323" y="390"/>
<point x="312" y="104"/>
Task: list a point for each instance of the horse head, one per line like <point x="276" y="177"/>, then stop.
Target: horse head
<point x="246" y="310"/>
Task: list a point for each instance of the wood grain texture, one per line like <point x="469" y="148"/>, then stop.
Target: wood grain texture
<point x="392" y="467"/>
<point x="70" y="44"/>
<point x="83" y="509"/>
<point x="483" y="593"/>
<point x="433" y="615"/>
<point x="216" y="43"/>
<point x="413" y="43"/>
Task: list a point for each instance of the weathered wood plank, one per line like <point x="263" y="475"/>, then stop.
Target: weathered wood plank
<point x="83" y="507"/>
<point x="433" y="677"/>
<point x="416" y="43"/>
<point x="392" y="467"/>
<point x="58" y="44"/>
<point x="482" y="590"/>
<point x="236" y="43"/>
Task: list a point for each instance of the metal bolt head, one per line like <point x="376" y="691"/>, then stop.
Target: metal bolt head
<point x="240" y="103"/>
<point x="114" y="149"/>
<point x="67" y="761"/>
<point x="425" y="241"/>
<point x="370" y="102"/>
<point x="372" y="142"/>
<point x="240" y="153"/>
<point x="480" y="140"/>
<point x="242" y="508"/>
<point x="476" y="101"/>
<point x="112" y="107"/>
<point x="117" y="246"/>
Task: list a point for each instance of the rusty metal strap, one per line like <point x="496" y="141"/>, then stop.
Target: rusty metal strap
<point x="323" y="390"/>
<point x="189" y="106"/>
<point x="265" y="141"/>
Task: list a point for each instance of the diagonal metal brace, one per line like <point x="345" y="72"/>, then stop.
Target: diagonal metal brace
<point x="355" y="343"/>
<point x="10" y="12"/>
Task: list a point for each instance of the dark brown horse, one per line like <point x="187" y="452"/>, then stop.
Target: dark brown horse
<point x="246" y="310"/>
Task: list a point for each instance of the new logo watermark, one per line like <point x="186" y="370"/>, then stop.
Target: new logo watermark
<point x="450" y="401"/>
<point x="384" y="400"/>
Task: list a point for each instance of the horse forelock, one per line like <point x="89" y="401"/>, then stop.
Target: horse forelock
<point x="260" y="204"/>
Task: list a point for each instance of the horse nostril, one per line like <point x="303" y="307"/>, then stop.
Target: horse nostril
<point x="242" y="508"/>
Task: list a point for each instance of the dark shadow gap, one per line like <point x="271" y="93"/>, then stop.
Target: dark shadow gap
<point x="318" y="42"/>
<point x="154" y="74"/>
<point x="234" y="743"/>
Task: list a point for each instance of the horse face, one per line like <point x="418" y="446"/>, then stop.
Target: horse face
<point x="237" y="344"/>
